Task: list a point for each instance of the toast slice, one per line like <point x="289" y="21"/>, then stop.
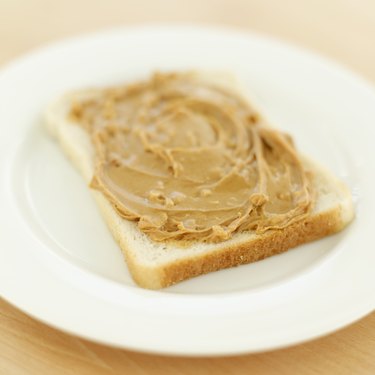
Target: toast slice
<point x="156" y="265"/>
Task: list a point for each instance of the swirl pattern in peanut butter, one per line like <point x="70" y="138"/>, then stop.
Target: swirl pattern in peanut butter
<point x="189" y="160"/>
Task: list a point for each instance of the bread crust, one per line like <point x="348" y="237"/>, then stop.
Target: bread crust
<point x="263" y="246"/>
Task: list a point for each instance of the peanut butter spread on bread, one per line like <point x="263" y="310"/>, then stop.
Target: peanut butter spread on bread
<point x="191" y="161"/>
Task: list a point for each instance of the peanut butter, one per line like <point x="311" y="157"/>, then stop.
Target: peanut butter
<point x="191" y="161"/>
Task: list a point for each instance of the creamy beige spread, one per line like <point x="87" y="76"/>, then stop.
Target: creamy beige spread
<point x="188" y="160"/>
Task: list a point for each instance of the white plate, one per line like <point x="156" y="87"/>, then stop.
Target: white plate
<point x="59" y="263"/>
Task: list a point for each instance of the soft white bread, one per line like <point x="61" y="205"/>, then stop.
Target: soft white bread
<point x="156" y="265"/>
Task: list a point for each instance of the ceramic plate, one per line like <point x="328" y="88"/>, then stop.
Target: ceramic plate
<point x="59" y="263"/>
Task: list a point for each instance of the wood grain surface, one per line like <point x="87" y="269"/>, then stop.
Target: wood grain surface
<point x="341" y="29"/>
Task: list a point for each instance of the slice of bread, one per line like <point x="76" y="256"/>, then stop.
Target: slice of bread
<point x="156" y="265"/>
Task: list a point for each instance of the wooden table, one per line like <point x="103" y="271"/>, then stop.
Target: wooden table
<point x="342" y="29"/>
